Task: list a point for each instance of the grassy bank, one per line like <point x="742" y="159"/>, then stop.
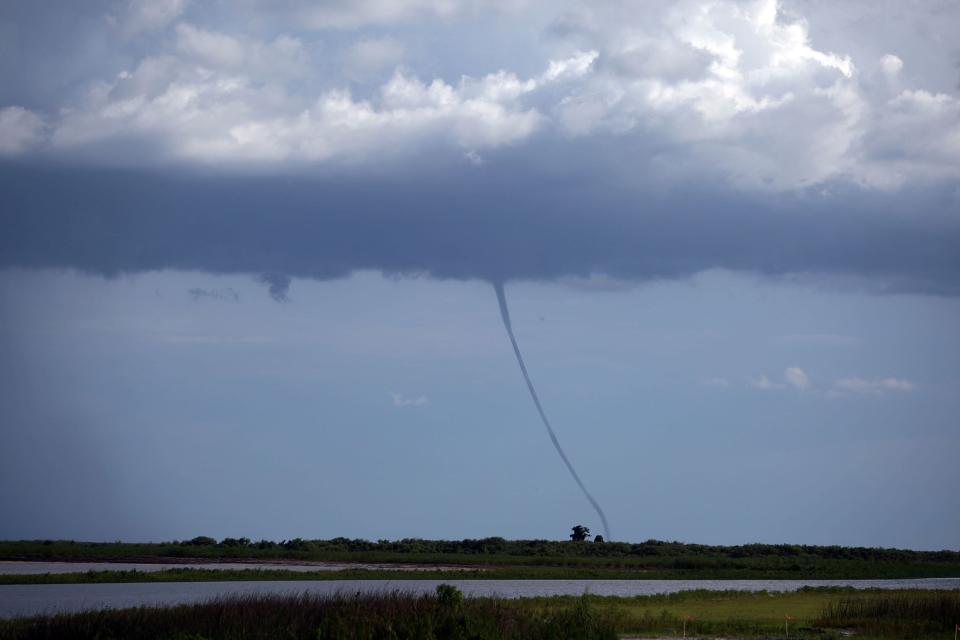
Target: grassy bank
<point x="445" y="615"/>
<point x="815" y="613"/>
<point x="530" y="558"/>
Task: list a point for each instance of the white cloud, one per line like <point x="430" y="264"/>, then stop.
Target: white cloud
<point x="891" y="65"/>
<point x="283" y="57"/>
<point x="746" y="83"/>
<point x="738" y="90"/>
<point x="402" y="401"/>
<point x="218" y="113"/>
<point x="21" y="130"/>
<point x="217" y="49"/>
<point x="575" y="66"/>
<point x="793" y="377"/>
<point x="149" y="15"/>
<point x="873" y="387"/>
<point x="797" y="378"/>
<point x="353" y="14"/>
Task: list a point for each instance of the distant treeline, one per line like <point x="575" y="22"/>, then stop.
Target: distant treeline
<point x="552" y="548"/>
<point x="204" y="546"/>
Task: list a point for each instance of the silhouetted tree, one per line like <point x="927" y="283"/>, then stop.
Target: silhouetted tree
<point x="235" y="542"/>
<point x="580" y="533"/>
<point x="598" y="538"/>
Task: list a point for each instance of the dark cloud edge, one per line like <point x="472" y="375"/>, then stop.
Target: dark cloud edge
<point x="516" y="221"/>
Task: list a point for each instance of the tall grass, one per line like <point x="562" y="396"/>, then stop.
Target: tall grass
<point x="390" y="616"/>
<point x="896" y="615"/>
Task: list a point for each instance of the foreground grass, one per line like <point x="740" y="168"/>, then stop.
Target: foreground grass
<point x="529" y="558"/>
<point x="897" y="615"/>
<point x="444" y="616"/>
<point x="815" y="613"/>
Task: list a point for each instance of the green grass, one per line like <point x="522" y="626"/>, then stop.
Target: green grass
<point x="532" y="558"/>
<point x="443" y="616"/>
<point x="817" y="613"/>
<point x="746" y="614"/>
<point x="896" y="615"/>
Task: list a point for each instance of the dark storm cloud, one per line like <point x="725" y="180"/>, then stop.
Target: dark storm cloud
<point x="278" y="285"/>
<point x="515" y="220"/>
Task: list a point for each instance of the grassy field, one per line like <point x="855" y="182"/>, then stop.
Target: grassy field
<point x="530" y="558"/>
<point x="815" y="613"/>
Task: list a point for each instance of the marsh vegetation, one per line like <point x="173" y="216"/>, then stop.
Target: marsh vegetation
<point x="513" y="559"/>
<point x="446" y="614"/>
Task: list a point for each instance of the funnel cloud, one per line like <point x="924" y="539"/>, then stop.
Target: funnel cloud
<point x="505" y="315"/>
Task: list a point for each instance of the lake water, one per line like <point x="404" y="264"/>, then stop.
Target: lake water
<point x="21" y="600"/>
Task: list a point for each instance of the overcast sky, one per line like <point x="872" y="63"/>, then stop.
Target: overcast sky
<point x="249" y="248"/>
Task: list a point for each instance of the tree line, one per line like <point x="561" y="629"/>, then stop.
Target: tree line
<point x="579" y="547"/>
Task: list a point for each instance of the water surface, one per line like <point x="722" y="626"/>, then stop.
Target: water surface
<point x="31" y="599"/>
